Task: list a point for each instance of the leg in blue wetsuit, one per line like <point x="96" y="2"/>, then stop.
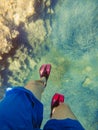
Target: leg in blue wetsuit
<point x="21" y="109"/>
<point x="62" y="118"/>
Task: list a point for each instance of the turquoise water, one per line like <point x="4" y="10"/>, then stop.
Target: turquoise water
<point x="73" y="53"/>
<point x="72" y="50"/>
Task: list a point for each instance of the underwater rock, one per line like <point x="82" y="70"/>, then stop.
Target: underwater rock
<point x="14" y="13"/>
<point x="24" y="25"/>
<point x="5" y="37"/>
<point x="36" y="31"/>
<point x="86" y="82"/>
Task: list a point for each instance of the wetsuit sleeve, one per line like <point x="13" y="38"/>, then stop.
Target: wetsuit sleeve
<point x="66" y="124"/>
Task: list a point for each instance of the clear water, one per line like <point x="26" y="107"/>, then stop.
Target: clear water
<point x="72" y="49"/>
<point x="73" y="53"/>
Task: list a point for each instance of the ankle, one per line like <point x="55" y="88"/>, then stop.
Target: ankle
<point x="44" y="80"/>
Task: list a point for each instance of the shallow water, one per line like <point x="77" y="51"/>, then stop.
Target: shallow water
<point x="73" y="53"/>
<point x="72" y="50"/>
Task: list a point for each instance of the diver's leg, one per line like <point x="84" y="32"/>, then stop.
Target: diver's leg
<point x="62" y="111"/>
<point x="37" y="87"/>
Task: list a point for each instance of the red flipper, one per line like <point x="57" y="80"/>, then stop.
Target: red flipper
<point x="45" y="70"/>
<point x="56" y="100"/>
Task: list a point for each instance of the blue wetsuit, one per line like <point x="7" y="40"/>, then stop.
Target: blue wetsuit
<point x="20" y="110"/>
